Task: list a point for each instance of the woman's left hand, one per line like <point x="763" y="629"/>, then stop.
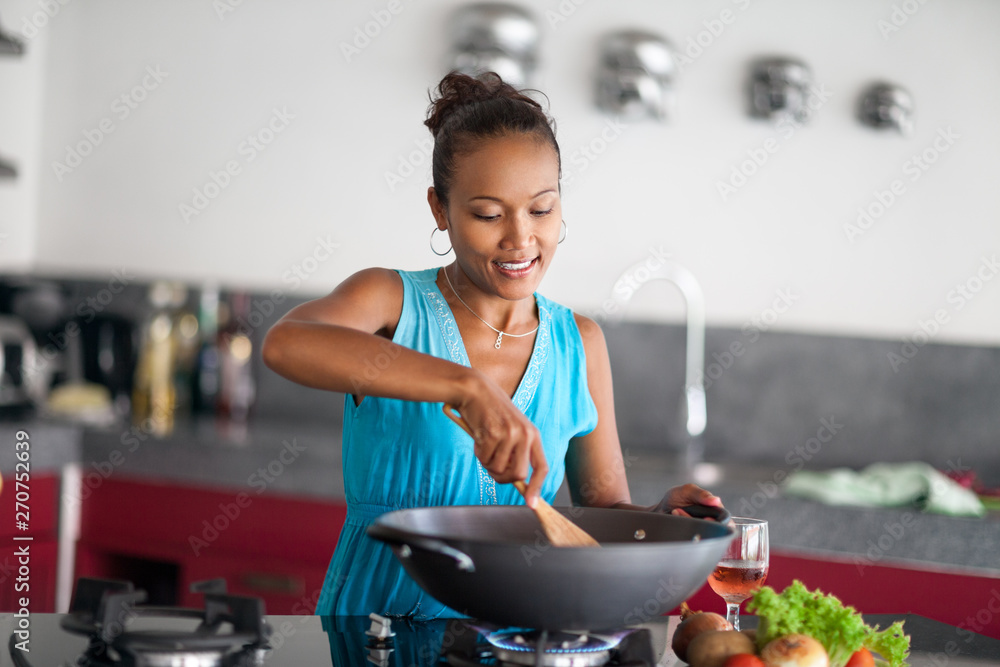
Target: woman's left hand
<point x="682" y="496"/>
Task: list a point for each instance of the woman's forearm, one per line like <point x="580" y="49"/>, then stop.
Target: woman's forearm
<point x="339" y="358"/>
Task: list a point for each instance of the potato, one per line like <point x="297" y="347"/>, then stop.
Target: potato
<point x="710" y="649"/>
<point x="694" y="625"/>
<point x="752" y="634"/>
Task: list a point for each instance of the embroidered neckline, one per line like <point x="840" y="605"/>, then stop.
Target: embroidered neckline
<point x="525" y="391"/>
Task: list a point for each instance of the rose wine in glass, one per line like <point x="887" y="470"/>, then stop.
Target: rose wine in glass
<point x="743" y="568"/>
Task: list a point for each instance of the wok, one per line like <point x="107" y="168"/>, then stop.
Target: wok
<point x="494" y="564"/>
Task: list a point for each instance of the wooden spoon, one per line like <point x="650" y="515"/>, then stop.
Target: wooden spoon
<point x="561" y="531"/>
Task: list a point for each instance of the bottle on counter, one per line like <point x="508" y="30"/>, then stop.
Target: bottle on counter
<point x="206" y="376"/>
<point x="153" y="394"/>
<point x="186" y="337"/>
<point x="237" y="390"/>
<point x="166" y="360"/>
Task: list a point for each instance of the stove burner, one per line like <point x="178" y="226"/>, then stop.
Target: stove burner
<point x="558" y="649"/>
<point x="229" y="631"/>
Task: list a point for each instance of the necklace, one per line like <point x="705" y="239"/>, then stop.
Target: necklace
<point x="500" y="334"/>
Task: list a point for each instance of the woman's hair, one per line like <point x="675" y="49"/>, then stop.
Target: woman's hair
<point x="466" y="110"/>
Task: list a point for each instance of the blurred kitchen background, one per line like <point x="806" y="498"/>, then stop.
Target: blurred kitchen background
<point x="181" y="174"/>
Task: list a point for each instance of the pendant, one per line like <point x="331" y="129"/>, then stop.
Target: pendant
<point x="499" y="338"/>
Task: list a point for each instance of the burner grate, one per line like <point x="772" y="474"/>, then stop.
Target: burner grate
<point x="230" y="629"/>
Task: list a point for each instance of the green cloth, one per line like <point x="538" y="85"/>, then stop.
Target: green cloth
<point x="912" y="484"/>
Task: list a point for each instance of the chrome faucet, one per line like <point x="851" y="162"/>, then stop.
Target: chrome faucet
<point x="693" y="412"/>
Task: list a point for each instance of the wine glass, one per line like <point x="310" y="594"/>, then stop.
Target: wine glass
<point x="743" y="567"/>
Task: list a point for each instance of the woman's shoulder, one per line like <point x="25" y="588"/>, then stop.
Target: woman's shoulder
<point x="371" y="283"/>
<point x="379" y="277"/>
<point x="392" y="295"/>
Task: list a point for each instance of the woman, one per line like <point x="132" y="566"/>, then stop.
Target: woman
<point x="530" y="377"/>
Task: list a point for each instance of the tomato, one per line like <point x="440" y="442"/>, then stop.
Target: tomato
<point x="743" y="660"/>
<point x="861" y="658"/>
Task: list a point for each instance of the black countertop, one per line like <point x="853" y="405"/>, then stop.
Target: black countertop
<point x="333" y="641"/>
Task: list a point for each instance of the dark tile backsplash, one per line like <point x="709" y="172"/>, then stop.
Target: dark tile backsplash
<point x="787" y="393"/>
<point x="787" y="398"/>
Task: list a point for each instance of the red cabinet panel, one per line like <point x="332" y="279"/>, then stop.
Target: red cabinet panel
<point x="275" y="547"/>
<point x="146" y="516"/>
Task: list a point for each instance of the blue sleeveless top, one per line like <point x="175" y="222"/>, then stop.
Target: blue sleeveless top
<point x="402" y="454"/>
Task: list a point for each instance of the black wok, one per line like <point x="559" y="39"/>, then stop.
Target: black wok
<point x="494" y="564"/>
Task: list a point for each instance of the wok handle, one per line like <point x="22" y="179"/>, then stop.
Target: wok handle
<point x="720" y="514"/>
<point x="406" y="542"/>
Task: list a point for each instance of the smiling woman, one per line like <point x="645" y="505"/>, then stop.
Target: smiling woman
<point x="530" y="377"/>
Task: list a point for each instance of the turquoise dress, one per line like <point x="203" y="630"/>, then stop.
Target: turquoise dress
<point x="403" y="454"/>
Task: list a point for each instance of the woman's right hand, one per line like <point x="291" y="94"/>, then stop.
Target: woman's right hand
<point x="507" y="443"/>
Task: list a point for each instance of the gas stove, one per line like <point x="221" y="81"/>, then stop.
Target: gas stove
<point x="118" y="630"/>
<point x="108" y="626"/>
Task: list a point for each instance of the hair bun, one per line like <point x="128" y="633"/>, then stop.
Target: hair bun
<point x="457" y="90"/>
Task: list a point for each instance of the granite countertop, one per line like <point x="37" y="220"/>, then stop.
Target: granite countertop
<point x="303" y="459"/>
<point x="292" y="458"/>
<point x="884" y="536"/>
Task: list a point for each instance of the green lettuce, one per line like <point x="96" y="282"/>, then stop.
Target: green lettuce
<point x="840" y="629"/>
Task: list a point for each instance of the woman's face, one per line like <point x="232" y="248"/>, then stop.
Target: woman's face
<point x="504" y="214"/>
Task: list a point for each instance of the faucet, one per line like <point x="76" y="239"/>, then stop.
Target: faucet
<point x="692" y="410"/>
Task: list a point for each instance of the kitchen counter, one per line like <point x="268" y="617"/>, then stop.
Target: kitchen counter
<point x="300" y="459"/>
<point x="303" y="459"/>
<point x="318" y="641"/>
<point x="883" y="536"/>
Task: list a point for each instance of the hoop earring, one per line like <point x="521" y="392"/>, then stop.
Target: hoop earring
<point x="433" y="250"/>
<point x="565" y="232"/>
